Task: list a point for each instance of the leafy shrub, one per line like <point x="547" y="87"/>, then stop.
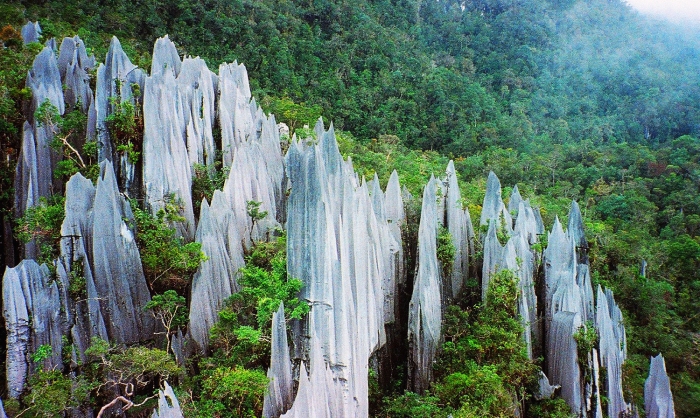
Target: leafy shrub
<point x="242" y="334"/>
<point x="42" y="223"/>
<point x="125" y="124"/>
<point x="412" y="405"/>
<point x="232" y="392"/>
<point x="445" y="251"/>
<point x="484" y="359"/>
<point x="164" y="255"/>
<point x="128" y="370"/>
<point x="205" y="181"/>
<point x="48" y="395"/>
<point x="171" y="310"/>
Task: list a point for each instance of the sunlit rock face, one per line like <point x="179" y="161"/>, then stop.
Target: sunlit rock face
<point x="31" y="32"/>
<point x="167" y="175"/>
<point x="216" y="278"/>
<point x="32" y="312"/>
<point x="34" y="177"/>
<point x="255" y="174"/>
<point x="73" y="65"/>
<point x="613" y="349"/>
<point x="168" y="405"/>
<point x="343" y="252"/>
<point x="568" y="290"/>
<point x="425" y="309"/>
<point x="97" y="237"/>
<point x="279" y="395"/>
<point x="515" y="255"/>
<point x="459" y="224"/>
<point x="658" y="400"/>
<point x="493" y="207"/>
<point x="117" y="79"/>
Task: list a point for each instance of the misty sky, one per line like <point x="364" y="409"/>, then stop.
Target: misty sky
<point x="685" y="10"/>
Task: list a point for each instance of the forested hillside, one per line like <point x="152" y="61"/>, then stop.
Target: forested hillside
<point x="568" y="99"/>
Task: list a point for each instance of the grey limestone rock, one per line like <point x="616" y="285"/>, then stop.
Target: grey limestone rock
<point x="461" y="230"/>
<point x="526" y="222"/>
<point x="336" y="247"/>
<point x="425" y="308"/>
<point x="31" y="32"/>
<point x="493" y="207"/>
<point x="235" y="116"/>
<point x="165" y="58"/>
<point x="116" y="265"/>
<point x="658" y="400"/>
<point x="98" y="245"/>
<point x="197" y="95"/>
<point x="563" y="316"/>
<point x="613" y="345"/>
<point x="166" y="166"/>
<point x="26" y="182"/>
<point x="320" y="394"/>
<point x="44" y="80"/>
<point x="545" y="390"/>
<point x="73" y="65"/>
<point x="514" y="202"/>
<point x="216" y="278"/>
<point x="396" y="217"/>
<point x="168" y="405"/>
<point x="562" y="365"/>
<point x="32" y="312"/>
<point x="493" y="254"/>
<point x="114" y="82"/>
<point x="577" y="233"/>
<point x="279" y="395"/>
<point x="84" y="314"/>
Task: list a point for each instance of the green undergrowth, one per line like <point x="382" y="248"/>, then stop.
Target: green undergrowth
<point x="232" y="381"/>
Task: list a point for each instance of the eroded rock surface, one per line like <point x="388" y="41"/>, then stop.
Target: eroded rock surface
<point x="658" y="400"/>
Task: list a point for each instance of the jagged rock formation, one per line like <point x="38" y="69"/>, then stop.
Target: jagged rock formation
<point x="563" y="307"/>
<point x="115" y="84"/>
<point x="168" y="405"/>
<point x="336" y="246"/>
<point x="167" y="174"/>
<point x="31" y="308"/>
<point x="493" y="257"/>
<point x="544" y="389"/>
<point x="568" y="290"/>
<point x="493" y="207"/>
<point x="396" y="218"/>
<point x="73" y="65"/>
<point x="98" y="243"/>
<point x="236" y="112"/>
<point x="459" y="225"/>
<point x="344" y="243"/>
<point x="256" y="174"/>
<point x="31" y="32"/>
<point x="517" y="255"/>
<point x="216" y="278"/>
<point x="425" y="309"/>
<point x="613" y="349"/>
<point x="279" y="395"/>
<point x="658" y="400"/>
<point x="35" y="166"/>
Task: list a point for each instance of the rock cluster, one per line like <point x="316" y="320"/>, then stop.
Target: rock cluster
<point x="345" y="256"/>
<point x="345" y="242"/>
